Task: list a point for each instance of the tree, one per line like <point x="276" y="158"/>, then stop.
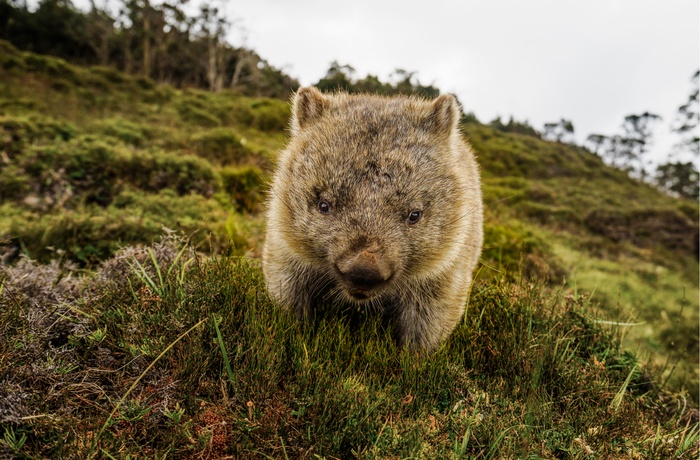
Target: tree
<point x="404" y="85"/>
<point x="596" y="142"/>
<point x="55" y="28"/>
<point x="213" y="28"/>
<point x="688" y="120"/>
<point x="559" y="131"/>
<point x="627" y="151"/>
<point x="153" y="38"/>
<point x="100" y="28"/>
<point x="372" y="84"/>
<point x="338" y="78"/>
<point x="635" y="144"/>
<point x="679" y="178"/>
<point x="514" y="126"/>
<point x="621" y="152"/>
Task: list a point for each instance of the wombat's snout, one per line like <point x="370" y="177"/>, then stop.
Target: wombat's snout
<point x="364" y="271"/>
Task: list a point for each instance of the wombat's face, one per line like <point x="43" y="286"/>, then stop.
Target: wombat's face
<point x="372" y="201"/>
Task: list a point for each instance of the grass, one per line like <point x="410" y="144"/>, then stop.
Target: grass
<point x="666" y="336"/>
<point x="119" y="345"/>
<point x="164" y="353"/>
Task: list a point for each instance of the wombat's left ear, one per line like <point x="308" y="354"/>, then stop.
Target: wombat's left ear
<point x="444" y="114"/>
<point x="308" y="105"/>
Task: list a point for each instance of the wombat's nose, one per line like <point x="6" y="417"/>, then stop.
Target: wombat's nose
<point x="364" y="269"/>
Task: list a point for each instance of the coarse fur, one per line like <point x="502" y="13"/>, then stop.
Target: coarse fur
<point x="376" y="201"/>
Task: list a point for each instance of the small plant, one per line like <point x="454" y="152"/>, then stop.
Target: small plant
<point x="98" y="335"/>
<point x="175" y="416"/>
<point x="157" y="284"/>
<point x="14" y="440"/>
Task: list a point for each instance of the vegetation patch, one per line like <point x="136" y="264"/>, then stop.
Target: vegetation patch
<point x="647" y="228"/>
<point x="182" y="355"/>
<point x="245" y="186"/>
<point x="125" y="131"/>
<point x="222" y="145"/>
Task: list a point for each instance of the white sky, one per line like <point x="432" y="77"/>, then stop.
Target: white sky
<point x="591" y="62"/>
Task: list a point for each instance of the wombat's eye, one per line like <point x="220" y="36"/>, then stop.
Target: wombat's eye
<point x="324" y="207"/>
<point x="413" y="217"/>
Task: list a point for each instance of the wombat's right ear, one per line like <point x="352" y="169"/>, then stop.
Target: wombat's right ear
<point x="308" y="105"/>
<point x="445" y="114"/>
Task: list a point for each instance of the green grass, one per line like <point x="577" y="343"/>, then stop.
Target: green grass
<point x="661" y="304"/>
<point x="179" y="355"/>
<point x="110" y="349"/>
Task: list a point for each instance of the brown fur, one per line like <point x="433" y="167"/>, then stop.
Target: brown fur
<point x="376" y="201"/>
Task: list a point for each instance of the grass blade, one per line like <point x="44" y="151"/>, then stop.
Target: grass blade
<point x="220" y="341"/>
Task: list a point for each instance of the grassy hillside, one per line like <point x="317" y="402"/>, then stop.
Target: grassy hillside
<point x="175" y="351"/>
<point x="598" y="231"/>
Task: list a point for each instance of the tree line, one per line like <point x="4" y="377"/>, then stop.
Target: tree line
<point x="157" y="41"/>
<point x="342" y="77"/>
<point x="629" y="150"/>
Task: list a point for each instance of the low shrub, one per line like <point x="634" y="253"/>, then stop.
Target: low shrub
<point x="270" y="115"/>
<point x="17" y="133"/>
<point x="87" y="235"/>
<point x="90" y="234"/>
<point x="244" y="185"/>
<point x="222" y="145"/>
<point x="192" y="114"/>
<point x="646" y="228"/>
<point x="125" y="130"/>
<point x="87" y="170"/>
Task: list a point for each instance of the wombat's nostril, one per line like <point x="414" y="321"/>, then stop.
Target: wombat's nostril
<point x="363" y="277"/>
<point x="364" y="270"/>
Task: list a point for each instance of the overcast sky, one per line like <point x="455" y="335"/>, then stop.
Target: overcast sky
<point x="591" y="62"/>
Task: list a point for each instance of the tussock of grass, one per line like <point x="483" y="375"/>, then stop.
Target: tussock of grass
<point x="528" y="372"/>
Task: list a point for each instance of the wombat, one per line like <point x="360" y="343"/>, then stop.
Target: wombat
<point x="376" y="201"/>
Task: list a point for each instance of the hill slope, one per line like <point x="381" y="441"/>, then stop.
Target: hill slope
<point x="92" y="160"/>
